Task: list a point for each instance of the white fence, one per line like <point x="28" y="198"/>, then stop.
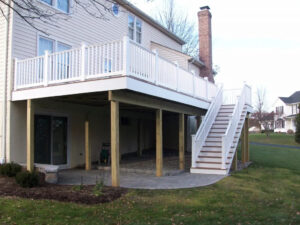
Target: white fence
<point x="122" y="58"/>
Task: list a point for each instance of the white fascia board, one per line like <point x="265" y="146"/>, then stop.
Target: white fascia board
<point x="160" y="92"/>
<point x="71" y="89"/>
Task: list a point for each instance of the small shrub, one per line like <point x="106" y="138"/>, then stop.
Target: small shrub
<point x="27" y="179"/>
<point x="77" y="187"/>
<point x="290" y="131"/>
<point x="10" y="169"/>
<point x="97" y="191"/>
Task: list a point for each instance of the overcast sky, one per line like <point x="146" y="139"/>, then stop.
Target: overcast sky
<point x="253" y="40"/>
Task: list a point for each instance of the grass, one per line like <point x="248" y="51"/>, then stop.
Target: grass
<point x="266" y="193"/>
<point x="274" y="138"/>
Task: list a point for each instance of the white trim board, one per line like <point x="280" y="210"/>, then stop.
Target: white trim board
<point x="113" y="83"/>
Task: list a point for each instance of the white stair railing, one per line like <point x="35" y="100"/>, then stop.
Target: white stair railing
<point x="199" y="138"/>
<point x="228" y="137"/>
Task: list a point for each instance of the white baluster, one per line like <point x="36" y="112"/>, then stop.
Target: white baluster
<point x="83" y="46"/>
<point x="126" y="56"/>
<point x="46" y="57"/>
<point x="156" y="66"/>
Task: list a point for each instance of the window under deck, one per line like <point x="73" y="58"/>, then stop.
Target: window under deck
<point x="115" y="65"/>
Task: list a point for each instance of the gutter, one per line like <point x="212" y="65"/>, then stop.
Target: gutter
<point x="3" y="160"/>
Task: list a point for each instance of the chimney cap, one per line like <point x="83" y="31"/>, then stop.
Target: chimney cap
<point x="205" y="7"/>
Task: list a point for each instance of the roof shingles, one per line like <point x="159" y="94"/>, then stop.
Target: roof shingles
<point x="294" y="98"/>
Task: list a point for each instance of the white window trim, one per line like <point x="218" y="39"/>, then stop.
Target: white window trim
<point x="135" y="18"/>
<point x="54" y="6"/>
<point x="55" y="43"/>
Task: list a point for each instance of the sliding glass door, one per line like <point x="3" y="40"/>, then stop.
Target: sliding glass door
<point x="50" y="139"/>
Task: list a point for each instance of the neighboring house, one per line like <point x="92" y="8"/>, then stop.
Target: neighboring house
<point x="286" y="109"/>
<point x="122" y="81"/>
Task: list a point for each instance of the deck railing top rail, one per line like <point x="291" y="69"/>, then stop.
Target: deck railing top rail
<point x="122" y="58"/>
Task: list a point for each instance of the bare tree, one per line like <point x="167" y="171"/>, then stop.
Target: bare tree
<point x="261" y="115"/>
<point x="33" y="10"/>
<point x="178" y="23"/>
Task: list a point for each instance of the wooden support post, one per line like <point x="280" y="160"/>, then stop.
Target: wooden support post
<point x="234" y="165"/>
<point x="198" y="118"/>
<point x="159" y="143"/>
<point x="115" y="160"/>
<point x="243" y="144"/>
<point x="30" y="133"/>
<point x="247" y="139"/>
<point x="88" y="157"/>
<point x="181" y="141"/>
<point x="140" y="138"/>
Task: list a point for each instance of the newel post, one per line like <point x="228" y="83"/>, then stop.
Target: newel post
<point x="193" y="151"/>
<point x="83" y="47"/>
<point x="15" y="73"/>
<point x="194" y="80"/>
<point x="206" y="84"/>
<point x="177" y="75"/>
<point x="156" y="66"/>
<point x="46" y="64"/>
<point x="126" y="55"/>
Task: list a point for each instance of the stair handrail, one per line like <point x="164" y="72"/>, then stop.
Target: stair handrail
<point x="228" y="137"/>
<point x="199" y="138"/>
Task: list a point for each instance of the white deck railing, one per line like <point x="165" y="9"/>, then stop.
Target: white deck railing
<point x="199" y="138"/>
<point x="122" y="58"/>
<point x="228" y="137"/>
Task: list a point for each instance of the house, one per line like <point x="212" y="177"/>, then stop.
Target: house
<point x="286" y="109"/>
<point x="87" y="82"/>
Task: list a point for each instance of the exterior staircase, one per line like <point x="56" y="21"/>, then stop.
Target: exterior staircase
<point x="215" y="143"/>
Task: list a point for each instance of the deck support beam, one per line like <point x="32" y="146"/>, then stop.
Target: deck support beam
<point x="30" y="135"/>
<point x="88" y="157"/>
<point x="244" y="144"/>
<point x="234" y="165"/>
<point x="181" y="141"/>
<point x="115" y="160"/>
<point x="159" y="143"/>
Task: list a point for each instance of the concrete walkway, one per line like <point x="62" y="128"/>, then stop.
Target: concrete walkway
<point x="138" y="181"/>
<point x="274" y="145"/>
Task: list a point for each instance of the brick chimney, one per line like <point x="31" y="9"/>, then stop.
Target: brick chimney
<point x="205" y="46"/>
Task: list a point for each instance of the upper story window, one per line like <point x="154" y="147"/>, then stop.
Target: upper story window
<point x="131" y="27"/>
<point x="50" y="45"/>
<point x="138" y="30"/>
<point x="45" y="44"/>
<point x="279" y="110"/>
<point x="63" y="5"/>
<point x="135" y="29"/>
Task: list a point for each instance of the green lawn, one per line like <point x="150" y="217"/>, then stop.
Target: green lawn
<point x="266" y="193"/>
<point x="274" y="138"/>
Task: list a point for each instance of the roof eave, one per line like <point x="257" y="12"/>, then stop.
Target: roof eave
<point x="148" y="19"/>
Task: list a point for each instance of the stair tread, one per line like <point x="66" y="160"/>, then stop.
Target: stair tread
<point x="208" y="168"/>
<point x="211" y="162"/>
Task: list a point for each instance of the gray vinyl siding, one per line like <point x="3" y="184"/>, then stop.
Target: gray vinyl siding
<point x="171" y="55"/>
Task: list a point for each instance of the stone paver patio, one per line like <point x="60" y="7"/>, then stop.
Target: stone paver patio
<point x="141" y="175"/>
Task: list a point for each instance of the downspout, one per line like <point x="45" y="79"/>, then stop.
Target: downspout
<point x="3" y="160"/>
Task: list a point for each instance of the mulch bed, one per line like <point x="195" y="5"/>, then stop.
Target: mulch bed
<point x="63" y="193"/>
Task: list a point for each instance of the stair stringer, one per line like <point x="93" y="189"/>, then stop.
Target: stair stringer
<point x="243" y="118"/>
